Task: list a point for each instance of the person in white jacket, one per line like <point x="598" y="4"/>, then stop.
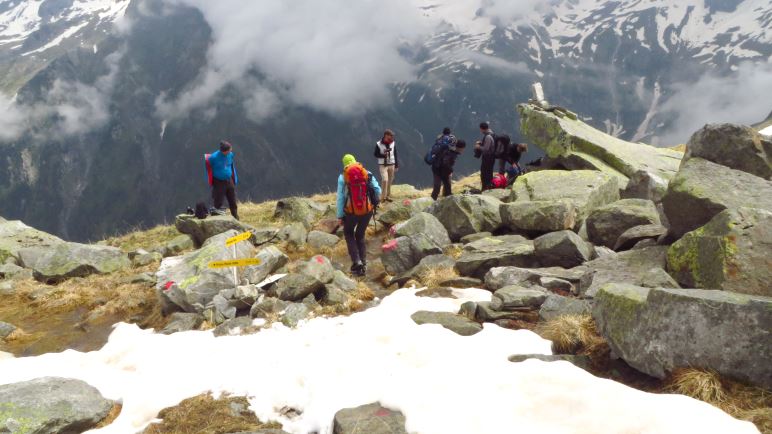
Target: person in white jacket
<point x="388" y="162"/>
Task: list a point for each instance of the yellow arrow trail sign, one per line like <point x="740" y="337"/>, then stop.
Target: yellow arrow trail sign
<point x="235" y="263"/>
<point x="238" y="238"/>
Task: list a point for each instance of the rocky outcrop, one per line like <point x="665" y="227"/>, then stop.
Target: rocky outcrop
<point x="606" y="224"/>
<point x="203" y="229"/>
<point x="51" y="405"/>
<point x="562" y="249"/>
<point x="732" y="252"/>
<point x="299" y="210"/>
<point x="404" y="253"/>
<point x="516" y="297"/>
<point x="702" y="189"/>
<point x="642" y="267"/>
<point x="271" y="260"/>
<point x="426" y="264"/>
<point x="657" y="330"/>
<point x="427" y="224"/>
<point x="403" y="210"/>
<point x="15" y="235"/>
<point x="451" y="321"/>
<point x="515" y="253"/>
<point x="294" y="234"/>
<point x="540" y="216"/>
<point x="318" y="240"/>
<point x="65" y="260"/>
<point x="736" y="146"/>
<point x="557" y="305"/>
<point x="369" y="419"/>
<point x="467" y="214"/>
<point x="576" y="145"/>
<point x="632" y="236"/>
<point x="505" y="276"/>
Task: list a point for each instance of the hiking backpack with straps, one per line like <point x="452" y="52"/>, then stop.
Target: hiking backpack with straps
<point x="358" y="196"/>
<point x="501" y="145"/>
<point x="443" y="142"/>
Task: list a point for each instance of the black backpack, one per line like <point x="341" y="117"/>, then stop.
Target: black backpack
<point x="501" y="145"/>
<point x="443" y="142"/>
<point x="201" y="210"/>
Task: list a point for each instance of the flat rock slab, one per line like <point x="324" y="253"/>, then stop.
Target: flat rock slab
<point x="369" y="419"/>
<point x="578" y="361"/>
<point x="657" y="330"/>
<point x="477" y="263"/>
<point x="518" y="297"/>
<point x="51" y="405"/>
<point x="15" y="235"/>
<point x="557" y="305"/>
<point x="643" y="267"/>
<point x="203" y="229"/>
<point x="606" y="224"/>
<point x="66" y="260"/>
<point x="451" y="321"/>
<point x="500" y="277"/>
<point x="464" y="215"/>
<point x="632" y="236"/>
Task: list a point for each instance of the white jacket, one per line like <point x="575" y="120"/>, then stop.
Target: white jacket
<point x="390" y="154"/>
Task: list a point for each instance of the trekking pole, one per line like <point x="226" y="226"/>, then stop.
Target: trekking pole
<point x="375" y="223"/>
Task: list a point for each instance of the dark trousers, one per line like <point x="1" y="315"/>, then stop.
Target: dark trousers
<point x="222" y="190"/>
<point x="354" y="228"/>
<point x="441" y="179"/>
<point x="486" y="172"/>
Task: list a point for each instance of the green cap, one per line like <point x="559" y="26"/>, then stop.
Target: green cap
<point x="348" y="159"/>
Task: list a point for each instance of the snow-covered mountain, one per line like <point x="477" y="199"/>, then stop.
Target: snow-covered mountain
<point x="116" y="100"/>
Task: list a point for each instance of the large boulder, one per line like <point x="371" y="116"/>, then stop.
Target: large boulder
<point x="607" y="223"/>
<point x="319" y="267"/>
<point x="294" y="234"/>
<point x="577" y="145"/>
<point x="476" y="263"/>
<point x="404" y="253"/>
<point x="540" y="216"/>
<point x="585" y="189"/>
<point x="642" y="267"/>
<point x="632" y="236"/>
<point x="51" y="405"/>
<point x="518" y="297"/>
<point x="557" y="305"/>
<point x="657" y="330"/>
<point x="736" y="146"/>
<point x="467" y="214"/>
<point x="645" y="185"/>
<point x="15" y="235"/>
<point x="426" y="264"/>
<point x="182" y="322"/>
<point x="319" y="240"/>
<point x="456" y="323"/>
<point x="271" y="260"/>
<point x="732" y="252"/>
<point x="424" y="223"/>
<point x="299" y="210"/>
<point x="187" y="281"/>
<point x="562" y="249"/>
<point x="500" y="277"/>
<point x="65" y="260"/>
<point x="702" y="189"/>
<point x="203" y="229"/>
<point x="403" y="210"/>
<point x="368" y="419"/>
<point x="296" y="287"/>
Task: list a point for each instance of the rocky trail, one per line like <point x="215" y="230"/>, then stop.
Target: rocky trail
<point x="614" y="260"/>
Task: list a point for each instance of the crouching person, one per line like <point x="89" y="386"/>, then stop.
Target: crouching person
<point x="358" y="195"/>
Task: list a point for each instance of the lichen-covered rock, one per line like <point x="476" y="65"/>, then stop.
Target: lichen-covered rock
<point x="51" y="405"/>
<point x="15" y="235"/>
<point x="632" y="236"/>
<point x="65" y="260"/>
<point x="657" y="330"/>
<point x="496" y="243"/>
<point x="451" y="321"/>
<point x="518" y="297"/>
<point x="295" y="313"/>
<point x="141" y="257"/>
<point x="298" y="210"/>
<point x="607" y="223"/>
<point x="271" y="259"/>
<point x="516" y="254"/>
<point x="645" y="185"/>
<point x="732" y="252"/>
<point x="403" y="210"/>
<point x="540" y="216"/>
<point x="294" y="234"/>
<point x="176" y="246"/>
<point x="331" y="295"/>
<point x="369" y="419"/>
<point x="557" y="305"/>
<point x="318" y="240"/>
<point x="424" y="223"/>
<point x="562" y="249"/>
<point x="14" y="272"/>
<point x="702" y="189"/>
<point x="203" y="229"/>
<point x="643" y="267"/>
<point x="296" y="287"/>
<point x="404" y="253"/>
<point x="736" y="146"/>
<point x="188" y="282"/>
<point x="467" y="214"/>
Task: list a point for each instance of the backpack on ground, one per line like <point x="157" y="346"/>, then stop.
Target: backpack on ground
<point x="499" y="181"/>
<point x="201" y="211"/>
<point x="442" y="143"/>
<point x="501" y="145"/>
<point x="358" y="201"/>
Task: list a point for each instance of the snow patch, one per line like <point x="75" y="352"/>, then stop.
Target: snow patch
<point x="767" y="131"/>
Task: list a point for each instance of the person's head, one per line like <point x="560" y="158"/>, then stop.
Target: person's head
<point x="484" y="126"/>
<point x="446" y="131"/>
<point x="460" y="146"/>
<point x="348" y="160"/>
<point x="522" y="147"/>
<point x="225" y="147"/>
<point x="388" y="137"/>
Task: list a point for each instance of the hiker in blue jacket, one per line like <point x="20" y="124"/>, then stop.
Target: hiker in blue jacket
<point x="223" y="177"/>
<point x="358" y="195"/>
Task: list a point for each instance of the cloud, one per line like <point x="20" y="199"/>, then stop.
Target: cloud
<point x="12" y="119"/>
<point x="500" y="65"/>
<point x="742" y="97"/>
<point x="507" y="12"/>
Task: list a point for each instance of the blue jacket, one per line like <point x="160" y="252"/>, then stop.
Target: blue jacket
<point x="223" y="167"/>
<point x="342" y="192"/>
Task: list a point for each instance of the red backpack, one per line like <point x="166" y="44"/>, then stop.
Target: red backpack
<point x="357" y="200"/>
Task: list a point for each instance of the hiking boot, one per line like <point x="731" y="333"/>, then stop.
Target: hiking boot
<point x="357" y="269"/>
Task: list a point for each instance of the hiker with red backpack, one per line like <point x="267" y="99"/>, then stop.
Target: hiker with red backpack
<point x="221" y="173"/>
<point x="485" y="149"/>
<point x="388" y="161"/>
<point x="358" y="196"/>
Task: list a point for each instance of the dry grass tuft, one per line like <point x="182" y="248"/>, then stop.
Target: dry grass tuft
<point x="679" y="148"/>
<point x="454" y="251"/>
<point x="432" y="277"/>
<point x="143" y="239"/>
<point x="111" y="416"/>
<point x="701" y="384"/>
<point x="258" y="214"/>
<point x="204" y="414"/>
<point x="363" y="292"/>
<point x="574" y="334"/>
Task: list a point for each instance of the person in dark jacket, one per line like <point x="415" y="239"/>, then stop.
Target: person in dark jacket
<point x="513" y="159"/>
<point x="485" y="149"/>
<point x="388" y="162"/>
<point x="223" y="177"/>
<point x="442" y="169"/>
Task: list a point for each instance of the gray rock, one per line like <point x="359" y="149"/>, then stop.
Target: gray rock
<point x="368" y="419"/>
<point x="736" y="146"/>
<point x="642" y="244"/>
<point x="477" y="263"/>
<point x="15" y="235"/>
<point x="203" y="229"/>
<point x="645" y="185"/>
<point x="486" y="313"/>
<point x="403" y="210"/>
<point x="500" y="277"/>
<point x="702" y="189"/>
<point x="556" y="305"/>
<point x="636" y="267"/>
<point x="66" y="260"/>
<point x="451" y="321"/>
<point x="296" y="287"/>
<point x="295" y="313"/>
<point x="177" y="246"/>
<point x="7" y="288"/>
<point x="732" y="252"/>
<point x="561" y="249"/>
<point x="488" y="243"/>
<point x="518" y="297"/>
<point x="427" y="224"/>
<point x="632" y="236"/>
<point x="467" y="214"/>
<point x="141" y="257"/>
<point x="271" y="259"/>
<point x="246" y="294"/>
<point x="404" y="253"/>
<point x="428" y="263"/>
<point x="462" y="282"/>
<point x="540" y="216"/>
<point x="319" y="268"/>
<point x="268" y="307"/>
<point x="501" y="194"/>
<point x="318" y="240"/>
<point x="343" y="282"/>
<point x="602" y="252"/>
<point x="13" y="271"/>
<point x="234" y="326"/>
<point x="555" y="284"/>
<point x="224" y="307"/>
<point x="295" y="234"/>
<point x="310" y="301"/>
<point x="143" y="278"/>
<point x="188" y="282"/>
<point x="607" y="223"/>
<point x="51" y="405"/>
<point x="6" y="329"/>
<point x="299" y="210"/>
<point x="657" y="330"/>
<point x="182" y="322"/>
<point x="578" y="361"/>
<point x="474" y="237"/>
<point x="334" y="296"/>
<point x="468" y="310"/>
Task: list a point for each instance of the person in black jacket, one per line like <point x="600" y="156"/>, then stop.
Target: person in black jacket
<point x="513" y="158"/>
<point x="442" y="169"/>
<point x="485" y="149"/>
